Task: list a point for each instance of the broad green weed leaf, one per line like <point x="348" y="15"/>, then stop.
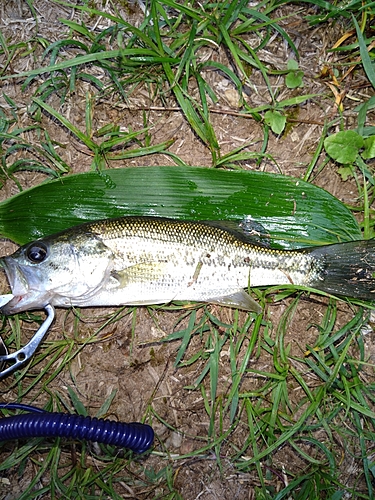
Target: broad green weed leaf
<point x="344" y="146"/>
<point x="345" y="172"/>
<point x="294" y="78"/>
<point x="292" y="65"/>
<point x="369" y="151"/>
<point x="275" y="120"/>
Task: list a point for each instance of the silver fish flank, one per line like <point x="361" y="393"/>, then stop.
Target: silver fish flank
<point x="146" y="260"/>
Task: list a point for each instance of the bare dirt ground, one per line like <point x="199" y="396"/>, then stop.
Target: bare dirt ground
<point x="128" y="355"/>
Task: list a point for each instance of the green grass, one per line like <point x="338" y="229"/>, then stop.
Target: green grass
<point x="243" y="373"/>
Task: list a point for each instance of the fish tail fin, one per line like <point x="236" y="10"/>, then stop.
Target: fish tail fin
<point x="346" y="269"/>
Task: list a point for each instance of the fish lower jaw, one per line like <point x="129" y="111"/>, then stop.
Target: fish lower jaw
<point x="4" y="299"/>
<point x="13" y="306"/>
<point x="26" y="302"/>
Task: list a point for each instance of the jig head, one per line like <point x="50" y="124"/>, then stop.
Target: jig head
<point x="20" y="357"/>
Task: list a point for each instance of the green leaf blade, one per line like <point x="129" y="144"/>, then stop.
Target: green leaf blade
<point x="293" y="212"/>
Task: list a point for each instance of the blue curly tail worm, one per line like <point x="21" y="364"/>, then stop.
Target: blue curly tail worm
<point x="40" y="423"/>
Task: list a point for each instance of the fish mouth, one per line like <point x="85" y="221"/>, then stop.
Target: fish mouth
<point x="4" y="287"/>
<point x="21" y="296"/>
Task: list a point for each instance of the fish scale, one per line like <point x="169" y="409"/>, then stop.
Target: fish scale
<point x="224" y="255"/>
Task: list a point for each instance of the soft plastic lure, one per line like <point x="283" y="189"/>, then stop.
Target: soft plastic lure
<point x="40" y="423"/>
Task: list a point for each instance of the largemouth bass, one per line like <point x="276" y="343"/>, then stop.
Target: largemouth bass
<point x="146" y="260"/>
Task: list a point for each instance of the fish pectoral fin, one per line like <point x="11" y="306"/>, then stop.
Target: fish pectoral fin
<point x="139" y="273"/>
<point x="240" y="300"/>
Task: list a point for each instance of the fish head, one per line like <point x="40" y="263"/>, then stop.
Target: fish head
<point x="61" y="270"/>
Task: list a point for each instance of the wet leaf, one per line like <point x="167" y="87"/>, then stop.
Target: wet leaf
<point x="293" y="212"/>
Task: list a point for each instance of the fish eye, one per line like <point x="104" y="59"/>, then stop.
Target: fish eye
<point x="36" y="252"/>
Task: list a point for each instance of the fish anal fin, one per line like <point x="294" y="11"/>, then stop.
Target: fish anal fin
<point x="239" y="299"/>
